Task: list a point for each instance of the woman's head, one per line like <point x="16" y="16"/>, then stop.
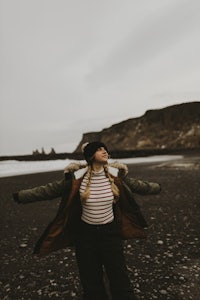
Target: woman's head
<point x="95" y="151"/>
<point x="96" y="154"/>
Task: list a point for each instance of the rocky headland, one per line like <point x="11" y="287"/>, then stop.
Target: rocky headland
<point x="172" y="128"/>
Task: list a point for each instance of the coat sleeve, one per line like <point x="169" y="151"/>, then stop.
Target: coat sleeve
<point x="45" y="192"/>
<point x="142" y="187"/>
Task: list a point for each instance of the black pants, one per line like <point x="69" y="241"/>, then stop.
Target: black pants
<point x="98" y="246"/>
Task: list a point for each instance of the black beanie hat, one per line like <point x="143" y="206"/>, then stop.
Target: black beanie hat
<point x="90" y="149"/>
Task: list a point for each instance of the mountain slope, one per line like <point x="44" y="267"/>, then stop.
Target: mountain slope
<point x="172" y="127"/>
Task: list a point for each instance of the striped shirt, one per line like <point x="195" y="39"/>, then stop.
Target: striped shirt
<point x="98" y="208"/>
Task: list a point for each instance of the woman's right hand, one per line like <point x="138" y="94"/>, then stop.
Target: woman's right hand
<point x="15" y="197"/>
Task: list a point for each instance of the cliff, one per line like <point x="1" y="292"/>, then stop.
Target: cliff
<point x="171" y="130"/>
<point x="173" y="127"/>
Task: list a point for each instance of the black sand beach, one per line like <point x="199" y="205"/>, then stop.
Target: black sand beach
<point x="165" y="266"/>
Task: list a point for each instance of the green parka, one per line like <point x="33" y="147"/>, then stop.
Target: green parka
<point x="61" y="231"/>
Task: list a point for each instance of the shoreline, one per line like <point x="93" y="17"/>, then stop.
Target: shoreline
<point x="168" y="161"/>
<point x="114" y="154"/>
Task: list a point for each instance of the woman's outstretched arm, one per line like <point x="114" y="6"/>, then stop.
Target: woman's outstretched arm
<point x="45" y="192"/>
<point x="142" y="187"/>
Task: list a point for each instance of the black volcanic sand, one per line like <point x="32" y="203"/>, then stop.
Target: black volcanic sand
<point x="165" y="266"/>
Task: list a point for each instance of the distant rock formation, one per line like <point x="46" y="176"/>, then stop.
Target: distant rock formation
<point x="173" y="127"/>
<point x="37" y="152"/>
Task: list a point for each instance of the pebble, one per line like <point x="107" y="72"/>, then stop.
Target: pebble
<point x="34" y="229"/>
<point x="181" y="278"/>
<point x="23" y="245"/>
<point x="160" y="242"/>
<point x="39" y="292"/>
<point x="163" y="292"/>
<point x="137" y="291"/>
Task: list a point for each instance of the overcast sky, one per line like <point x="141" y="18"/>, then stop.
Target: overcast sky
<point x="74" y="66"/>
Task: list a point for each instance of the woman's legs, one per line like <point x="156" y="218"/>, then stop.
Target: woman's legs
<point x="90" y="264"/>
<point x="115" y="266"/>
<point x="99" y="245"/>
<point x="116" y="270"/>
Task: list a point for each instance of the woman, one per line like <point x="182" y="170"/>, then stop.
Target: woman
<point x="96" y="213"/>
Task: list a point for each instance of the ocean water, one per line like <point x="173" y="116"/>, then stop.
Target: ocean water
<point x="14" y="167"/>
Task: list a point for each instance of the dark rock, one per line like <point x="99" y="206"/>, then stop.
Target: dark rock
<point x="173" y="127"/>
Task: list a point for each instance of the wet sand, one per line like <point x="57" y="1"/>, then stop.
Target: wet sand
<point x="165" y="266"/>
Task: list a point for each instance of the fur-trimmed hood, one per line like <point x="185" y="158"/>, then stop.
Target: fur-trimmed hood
<point x="78" y="169"/>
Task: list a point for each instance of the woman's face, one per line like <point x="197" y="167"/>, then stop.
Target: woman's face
<point x="101" y="155"/>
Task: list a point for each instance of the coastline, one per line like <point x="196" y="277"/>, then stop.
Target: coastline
<point x="14" y="168"/>
<point x="165" y="266"/>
